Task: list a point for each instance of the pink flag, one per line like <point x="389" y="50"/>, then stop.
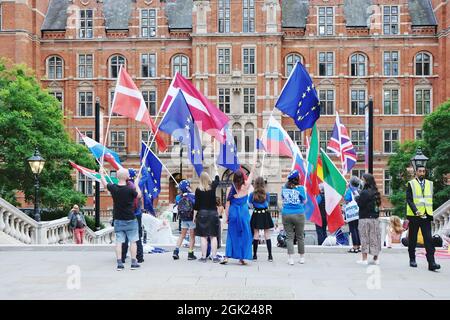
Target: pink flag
<point x="207" y="116"/>
<point x="129" y="102"/>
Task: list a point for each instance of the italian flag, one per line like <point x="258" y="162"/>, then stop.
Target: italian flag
<point x="334" y="187"/>
<point x="92" y="174"/>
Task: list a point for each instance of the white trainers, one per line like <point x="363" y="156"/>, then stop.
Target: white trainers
<point x="291" y="261"/>
<point x="364" y="262"/>
<point x="302" y="259"/>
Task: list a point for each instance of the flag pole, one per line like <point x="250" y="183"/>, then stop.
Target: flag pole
<point x="265" y="151"/>
<point x="170" y="174"/>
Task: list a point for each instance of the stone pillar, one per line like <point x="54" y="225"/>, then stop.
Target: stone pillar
<point x="201" y="9"/>
<point x="272" y="7"/>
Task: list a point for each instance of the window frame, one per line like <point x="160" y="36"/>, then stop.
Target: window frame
<point x="82" y="179"/>
<point x="148" y="101"/>
<point x="328" y="134"/>
<point x="430" y="68"/>
<point x="325" y="101"/>
<point x="224" y="64"/>
<point x="391" y="140"/>
<point x="249" y="103"/>
<point x="224" y="18"/>
<point x="149" y="75"/>
<point x="55" y="65"/>
<point x="430" y="89"/>
<point x="117" y="148"/>
<point x="391" y="89"/>
<point x="358" y="144"/>
<point x="326" y="24"/>
<point x="390" y="20"/>
<point x="358" y="90"/>
<point x="249" y="63"/>
<point x="389" y="180"/>
<point x="251" y="28"/>
<point x="85" y="65"/>
<point x="54" y="93"/>
<point x="222" y="105"/>
<point x="85" y="92"/>
<point x="287" y="63"/>
<point x="391" y="63"/>
<point x="172" y="64"/>
<point x="86" y="27"/>
<point x="357" y="54"/>
<point x="148" y="27"/>
<point x="110" y="65"/>
<point x="327" y="63"/>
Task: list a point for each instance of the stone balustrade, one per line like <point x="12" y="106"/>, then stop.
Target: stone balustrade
<point x="21" y="227"/>
<point x="441" y="221"/>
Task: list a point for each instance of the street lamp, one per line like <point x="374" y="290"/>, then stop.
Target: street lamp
<point x="419" y="160"/>
<point x="180" y="139"/>
<point x="36" y="163"/>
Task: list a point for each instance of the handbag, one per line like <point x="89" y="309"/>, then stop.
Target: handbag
<point x="351" y="211"/>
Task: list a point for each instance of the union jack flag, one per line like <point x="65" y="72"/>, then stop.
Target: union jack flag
<point x="342" y="146"/>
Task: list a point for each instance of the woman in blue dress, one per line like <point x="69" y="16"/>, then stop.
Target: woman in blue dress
<point x="239" y="237"/>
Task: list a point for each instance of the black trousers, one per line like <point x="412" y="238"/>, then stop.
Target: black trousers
<point x="140" y="249"/>
<point x="321" y="234"/>
<point x="425" y="226"/>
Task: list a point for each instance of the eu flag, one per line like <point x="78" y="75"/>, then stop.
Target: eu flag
<point x="150" y="182"/>
<point x="178" y="122"/>
<point x="299" y="99"/>
<point x="228" y="153"/>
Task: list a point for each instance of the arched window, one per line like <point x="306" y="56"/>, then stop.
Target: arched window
<point x="249" y="137"/>
<point x="291" y="59"/>
<point x="114" y="65"/>
<point x="358" y="65"/>
<point x="423" y="64"/>
<point x="237" y="133"/>
<point x="180" y="63"/>
<point x="55" y="67"/>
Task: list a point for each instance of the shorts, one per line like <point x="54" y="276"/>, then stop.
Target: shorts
<point x="188" y="225"/>
<point x="126" y="229"/>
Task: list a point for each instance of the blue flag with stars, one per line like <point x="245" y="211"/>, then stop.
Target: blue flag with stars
<point x="150" y="182"/>
<point x="299" y="99"/>
<point x="228" y="153"/>
<point x="179" y="123"/>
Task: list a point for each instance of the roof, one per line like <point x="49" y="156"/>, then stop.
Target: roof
<point x="357" y="12"/>
<point x="294" y="13"/>
<point x="421" y="12"/>
<point x="117" y="13"/>
<point x="56" y="16"/>
<point x="179" y="14"/>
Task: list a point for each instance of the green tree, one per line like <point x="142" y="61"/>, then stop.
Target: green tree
<point x="436" y="146"/>
<point x="29" y="118"/>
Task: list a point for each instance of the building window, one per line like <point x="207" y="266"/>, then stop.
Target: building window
<point x="391" y="60"/>
<point x="296" y="136"/>
<point x="390" y="101"/>
<point x="249" y="61"/>
<point x="358" y="65"/>
<point x="60" y="97"/>
<point x="118" y="142"/>
<point x="326" y="98"/>
<point x="237" y="134"/>
<point x="249" y="100"/>
<point x="224" y="60"/>
<point x="180" y="63"/>
<point x="224" y="100"/>
<point x="423" y="101"/>
<point x="391" y="138"/>
<point x="111" y="101"/>
<point x="358" y="101"/>
<point x="387" y="183"/>
<point x="85" y="66"/>
<point x="326" y="64"/>
<point x="86" y="24"/>
<point x="249" y="15"/>
<point x="326" y="17"/>
<point x="224" y="16"/>
<point x="324" y="136"/>
<point x="85" y="184"/>
<point x="148" y="23"/>
<point x="87" y="133"/>
<point x="145" y="137"/>
<point x="114" y="65"/>
<point x="150" y="101"/>
<point x="249" y="143"/>
<point x="54" y="68"/>
<point x="358" y="173"/>
<point x="423" y="64"/>
<point x="291" y="60"/>
<point x="358" y="138"/>
<point x="148" y="65"/>
<point x="390" y="20"/>
<point x="418" y="134"/>
<point x="85" y="102"/>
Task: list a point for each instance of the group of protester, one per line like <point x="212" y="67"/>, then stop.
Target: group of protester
<point x="200" y="214"/>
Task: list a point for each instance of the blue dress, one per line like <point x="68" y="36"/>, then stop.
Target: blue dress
<point x="239" y="238"/>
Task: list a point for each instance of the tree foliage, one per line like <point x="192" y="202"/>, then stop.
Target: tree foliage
<point x="29" y="118"/>
<point x="436" y="146"/>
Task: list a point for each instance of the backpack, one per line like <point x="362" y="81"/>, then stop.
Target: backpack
<point x="185" y="209"/>
<point x="281" y="239"/>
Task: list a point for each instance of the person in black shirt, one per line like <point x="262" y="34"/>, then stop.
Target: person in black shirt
<point x="125" y="223"/>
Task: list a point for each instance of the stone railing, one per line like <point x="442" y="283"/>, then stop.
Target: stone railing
<point x="21" y="227"/>
<point x="441" y="220"/>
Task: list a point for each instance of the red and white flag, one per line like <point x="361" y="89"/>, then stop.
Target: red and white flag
<point x="129" y="102"/>
<point x="206" y="115"/>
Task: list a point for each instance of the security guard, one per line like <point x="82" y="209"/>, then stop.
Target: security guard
<point x="419" y="211"/>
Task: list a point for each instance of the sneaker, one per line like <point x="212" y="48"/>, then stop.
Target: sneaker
<point x="216" y="260"/>
<point x="202" y="260"/>
<point x="291" y="261"/>
<point x="191" y="256"/>
<point x="413" y="264"/>
<point x="364" y="262"/>
<point x="270" y="258"/>
<point x="135" y="266"/>
<point x="120" y="267"/>
<point x="302" y="260"/>
<point x="175" y="254"/>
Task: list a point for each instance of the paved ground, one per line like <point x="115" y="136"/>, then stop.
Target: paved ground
<point x="332" y="274"/>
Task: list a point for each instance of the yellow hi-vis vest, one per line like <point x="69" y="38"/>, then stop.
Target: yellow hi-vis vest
<point x="423" y="201"/>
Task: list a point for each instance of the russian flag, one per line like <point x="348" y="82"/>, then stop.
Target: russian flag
<point x="98" y="150"/>
<point x="277" y="141"/>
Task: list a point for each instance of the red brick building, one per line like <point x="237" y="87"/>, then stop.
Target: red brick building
<point x="239" y="54"/>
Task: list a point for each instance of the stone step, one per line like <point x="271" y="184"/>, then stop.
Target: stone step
<point x="6" y="239"/>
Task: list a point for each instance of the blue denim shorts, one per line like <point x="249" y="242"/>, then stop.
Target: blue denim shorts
<point x="187" y="225"/>
<point x="126" y="229"/>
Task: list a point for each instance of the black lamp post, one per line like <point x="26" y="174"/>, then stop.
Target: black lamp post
<point x="419" y="160"/>
<point x="97" y="184"/>
<point x="36" y="163"/>
<point x="181" y="157"/>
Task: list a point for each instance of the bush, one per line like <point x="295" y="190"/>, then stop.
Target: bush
<point x="91" y="223"/>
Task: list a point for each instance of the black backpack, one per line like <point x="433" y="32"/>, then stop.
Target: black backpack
<point x="185" y="209"/>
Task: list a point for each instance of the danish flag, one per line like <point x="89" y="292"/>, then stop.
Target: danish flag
<point x="129" y="102"/>
<point x="206" y="115"/>
<point x="342" y="146"/>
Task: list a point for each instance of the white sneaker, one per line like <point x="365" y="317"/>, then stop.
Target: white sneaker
<point x="291" y="261"/>
<point x="302" y="260"/>
<point x="376" y="262"/>
<point x="364" y="262"/>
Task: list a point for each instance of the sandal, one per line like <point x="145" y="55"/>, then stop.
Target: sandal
<point x="243" y="262"/>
